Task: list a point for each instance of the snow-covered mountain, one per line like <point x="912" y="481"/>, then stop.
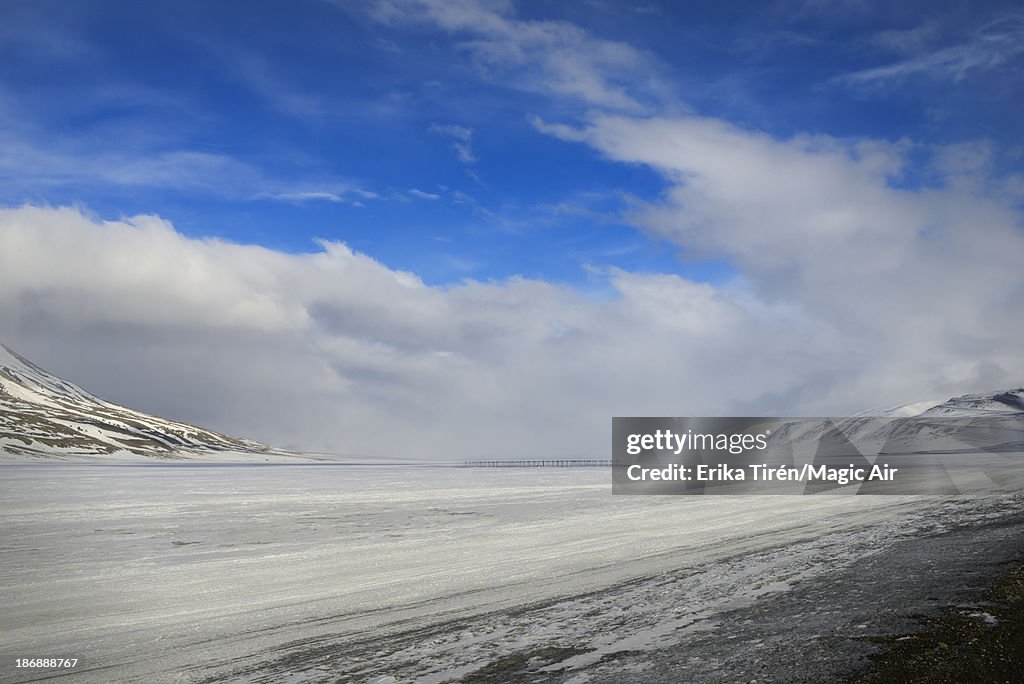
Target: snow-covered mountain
<point x="1007" y="402"/>
<point x="44" y="416"/>
<point x="987" y="421"/>
<point x="965" y="406"/>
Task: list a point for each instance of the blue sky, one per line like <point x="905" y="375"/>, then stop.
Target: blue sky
<point x="448" y="226"/>
<point x="279" y="123"/>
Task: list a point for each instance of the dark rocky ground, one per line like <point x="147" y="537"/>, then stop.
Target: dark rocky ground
<point x="982" y="642"/>
<point x="944" y="607"/>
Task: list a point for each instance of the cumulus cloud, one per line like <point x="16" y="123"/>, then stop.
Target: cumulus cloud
<point x="333" y="350"/>
<point x="919" y="282"/>
<point x="873" y="295"/>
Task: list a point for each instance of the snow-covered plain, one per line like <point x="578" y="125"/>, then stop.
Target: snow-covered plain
<point x="391" y="573"/>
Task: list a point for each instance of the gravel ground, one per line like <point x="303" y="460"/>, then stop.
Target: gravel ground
<point x="952" y="597"/>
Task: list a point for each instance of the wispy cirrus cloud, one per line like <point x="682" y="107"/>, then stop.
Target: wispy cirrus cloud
<point x="991" y="46"/>
<point x="31" y="164"/>
<point x="265" y="79"/>
<point x="421" y="194"/>
<point x="276" y="90"/>
<point x="461" y="139"/>
<point x="299" y="193"/>
<point x="906" y="41"/>
<point x="26" y="163"/>
<point x="553" y="57"/>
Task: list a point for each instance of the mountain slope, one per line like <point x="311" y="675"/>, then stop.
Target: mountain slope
<point x="987" y="421"/>
<point x="43" y="415"/>
<point x="974" y="405"/>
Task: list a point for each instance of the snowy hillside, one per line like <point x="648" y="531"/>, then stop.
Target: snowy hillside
<point x="977" y="405"/>
<point x="987" y="421"/>
<point x="42" y="415"/>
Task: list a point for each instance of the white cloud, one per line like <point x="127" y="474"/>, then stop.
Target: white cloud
<point x="461" y="141"/>
<point x="28" y="164"/>
<point x="338" y="193"/>
<point x="991" y="46"/>
<point x="552" y="57"/>
<point x="23" y="163"/>
<point x="333" y="350"/>
<point x="876" y="296"/>
<point x="921" y="284"/>
<point x="420" y="194"/>
<point x="906" y="41"/>
<point x="278" y="92"/>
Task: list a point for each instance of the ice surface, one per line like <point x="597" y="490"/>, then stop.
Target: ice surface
<point x="190" y="572"/>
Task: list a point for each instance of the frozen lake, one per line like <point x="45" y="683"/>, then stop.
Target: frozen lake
<point x="390" y="573"/>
